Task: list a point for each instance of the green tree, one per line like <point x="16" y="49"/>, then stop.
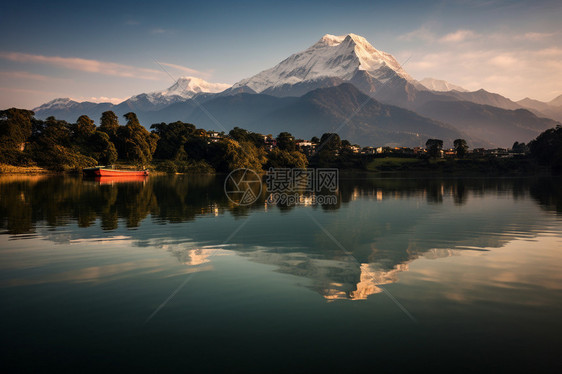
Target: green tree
<point x="82" y="129"/>
<point x="197" y="148"/>
<point x="102" y="149"/>
<point x="286" y="142"/>
<point x="460" y="147"/>
<point x="172" y="140"/>
<point x="52" y="146"/>
<point x="54" y="132"/>
<point x="242" y="135"/>
<point x="434" y="147"/>
<point x="135" y="143"/>
<point x="547" y="148"/>
<point x="279" y="158"/>
<point x="328" y="150"/>
<point x="331" y="142"/>
<point x="109" y="123"/>
<point x="234" y="155"/>
<point x="15" y="127"/>
<point x="520" y="147"/>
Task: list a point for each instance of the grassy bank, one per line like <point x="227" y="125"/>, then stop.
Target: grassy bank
<point x="377" y="166"/>
<point x="9" y="169"/>
<point x="461" y="167"/>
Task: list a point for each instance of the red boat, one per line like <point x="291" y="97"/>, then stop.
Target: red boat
<point x="102" y="171"/>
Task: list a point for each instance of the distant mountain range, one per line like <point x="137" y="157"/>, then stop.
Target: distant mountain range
<point x="552" y="109"/>
<point x="340" y="83"/>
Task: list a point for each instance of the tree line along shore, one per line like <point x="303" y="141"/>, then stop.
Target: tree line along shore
<point x="30" y="145"/>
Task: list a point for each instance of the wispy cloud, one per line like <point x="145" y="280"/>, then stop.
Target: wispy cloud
<point x="157" y="30"/>
<point x="458" y="36"/>
<point x="161" y="31"/>
<point x="535" y="36"/>
<point x="423" y="33"/>
<point x="23" y="75"/>
<point x="514" y="74"/>
<point x="86" y="65"/>
<point x="187" y="70"/>
<point x="12" y="90"/>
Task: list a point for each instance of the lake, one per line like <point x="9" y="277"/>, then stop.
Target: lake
<point x="169" y="274"/>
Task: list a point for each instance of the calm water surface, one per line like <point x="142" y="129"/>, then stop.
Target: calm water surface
<point x="167" y="274"/>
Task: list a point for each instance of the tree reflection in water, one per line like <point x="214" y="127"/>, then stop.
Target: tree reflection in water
<point x="58" y="201"/>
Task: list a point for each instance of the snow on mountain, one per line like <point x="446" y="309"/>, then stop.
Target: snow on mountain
<point x="440" y="85"/>
<point x="341" y="57"/>
<point x="184" y="88"/>
<point x="59" y="103"/>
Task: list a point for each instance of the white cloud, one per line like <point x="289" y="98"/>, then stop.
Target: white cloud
<point x="185" y="69"/>
<point x="458" y="36"/>
<point x="423" y="34"/>
<point x="535" y="36"/>
<point x="504" y="60"/>
<point x="86" y="65"/>
<point x="23" y="75"/>
<point x="513" y="63"/>
<point x="550" y="52"/>
<point x="514" y="74"/>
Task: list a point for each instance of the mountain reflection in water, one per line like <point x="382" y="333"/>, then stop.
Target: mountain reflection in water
<point x="385" y="224"/>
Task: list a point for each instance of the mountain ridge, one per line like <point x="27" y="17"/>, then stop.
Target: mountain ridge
<point x="331" y="62"/>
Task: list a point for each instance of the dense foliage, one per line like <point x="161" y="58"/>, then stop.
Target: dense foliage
<point x="547" y="148"/>
<point x="173" y="147"/>
<point x="434" y="147"/>
<point x="182" y="147"/>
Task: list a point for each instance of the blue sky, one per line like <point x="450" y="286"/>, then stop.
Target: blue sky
<point x="97" y="50"/>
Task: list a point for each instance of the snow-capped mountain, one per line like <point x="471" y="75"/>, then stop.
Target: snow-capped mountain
<point x="320" y="86"/>
<point x="440" y="85"/>
<point x="185" y="88"/>
<point x="331" y="61"/>
<point x="57" y="104"/>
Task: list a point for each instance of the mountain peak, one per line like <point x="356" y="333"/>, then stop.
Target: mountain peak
<point x="557" y="101"/>
<point x="333" y="40"/>
<point x="333" y="56"/>
<point x="184" y="88"/>
<point x="440" y="85"/>
<point x="58" y="103"/>
<point x="189" y="86"/>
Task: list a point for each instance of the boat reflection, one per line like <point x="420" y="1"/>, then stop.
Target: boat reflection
<point x="120" y="179"/>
